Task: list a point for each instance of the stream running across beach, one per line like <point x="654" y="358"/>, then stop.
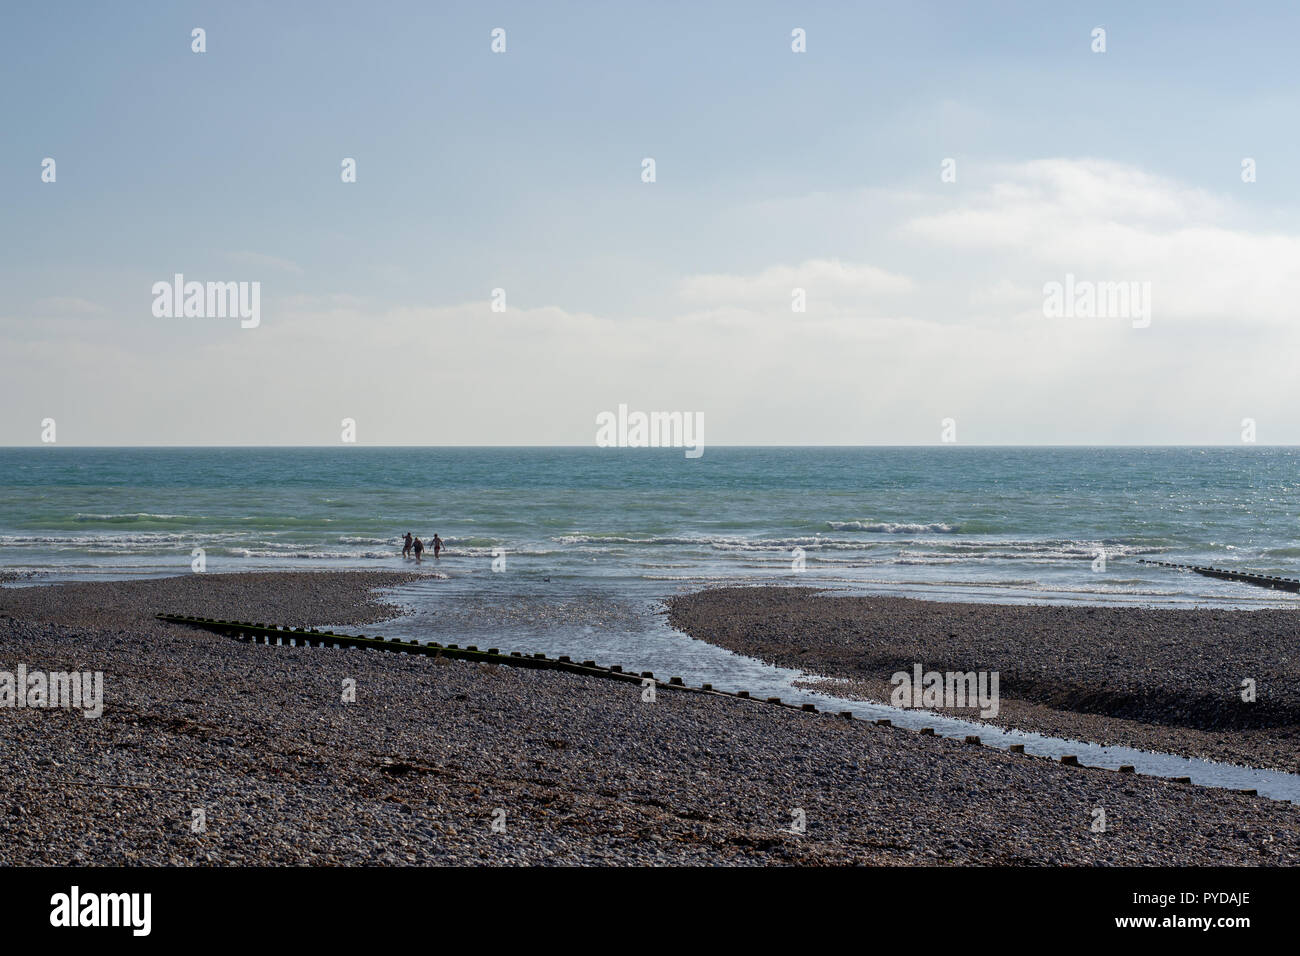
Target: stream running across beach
<point x="602" y="625"/>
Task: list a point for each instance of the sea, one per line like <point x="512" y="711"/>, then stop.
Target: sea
<point x="574" y="550"/>
<point x="945" y="522"/>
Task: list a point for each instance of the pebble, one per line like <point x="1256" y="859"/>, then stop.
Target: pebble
<point x="415" y="771"/>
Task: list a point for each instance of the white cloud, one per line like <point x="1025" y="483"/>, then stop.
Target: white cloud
<point x="828" y="280"/>
<point x="1106" y="222"/>
<point x="952" y="328"/>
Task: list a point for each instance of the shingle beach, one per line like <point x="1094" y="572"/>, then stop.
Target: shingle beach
<point x="1152" y="678"/>
<point x="572" y="769"/>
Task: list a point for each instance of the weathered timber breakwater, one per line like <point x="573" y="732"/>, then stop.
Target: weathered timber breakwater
<point x="586" y="771"/>
<point x="1270" y="581"/>
<point x="1155" y="679"/>
<point x="285" y="636"/>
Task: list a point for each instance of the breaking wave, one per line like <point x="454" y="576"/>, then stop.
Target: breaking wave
<point x="894" y="527"/>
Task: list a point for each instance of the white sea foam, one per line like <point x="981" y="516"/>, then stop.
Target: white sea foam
<point x="132" y="516"/>
<point x="290" y="552"/>
<point x="728" y="543"/>
<point x="152" y="539"/>
<point x="893" y="527"/>
<point x="1055" y="549"/>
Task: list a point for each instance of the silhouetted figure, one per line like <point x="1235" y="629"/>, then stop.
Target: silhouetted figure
<point x="406" y="545"/>
<point x="437" y="544"/>
<point x="419" y="550"/>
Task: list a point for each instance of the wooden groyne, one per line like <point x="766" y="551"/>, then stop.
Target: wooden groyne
<point x="258" y="633"/>
<point x="1259" y="580"/>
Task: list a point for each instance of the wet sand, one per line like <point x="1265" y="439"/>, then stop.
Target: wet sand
<point x="1155" y="679"/>
<point x="579" y="770"/>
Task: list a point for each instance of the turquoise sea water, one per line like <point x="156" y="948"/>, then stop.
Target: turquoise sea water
<point x="972" y="523"/>
<point x="595" y="539"/>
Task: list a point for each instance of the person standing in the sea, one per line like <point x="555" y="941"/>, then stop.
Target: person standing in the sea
<point x="406" y="545"/>
<point x="419" y="550"/>
<point x="437" y="544"/>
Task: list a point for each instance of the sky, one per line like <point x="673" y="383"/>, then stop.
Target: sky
<point x="922" y="171"/>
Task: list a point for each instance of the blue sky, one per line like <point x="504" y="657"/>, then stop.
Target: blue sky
<point x="522" y="171"/>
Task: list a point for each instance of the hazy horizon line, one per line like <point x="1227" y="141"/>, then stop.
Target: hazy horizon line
<point x="342" y="445"/>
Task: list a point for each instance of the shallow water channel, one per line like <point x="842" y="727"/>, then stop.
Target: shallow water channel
<point x="611" y="629"/>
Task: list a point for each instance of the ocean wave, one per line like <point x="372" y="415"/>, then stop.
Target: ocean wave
<point x="625" y="539"/>
<point x="1280" y="553"/>
<point x="719" y="543"/>
<point x="1052" y="549"/>
<point x="145" y="538"/>
<point x="130" y="517"/>
<point x="893" y="527"/>
<point x="917" y="550"/>
<point x="789" y="544"/>
<point x="307" y="555"/>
